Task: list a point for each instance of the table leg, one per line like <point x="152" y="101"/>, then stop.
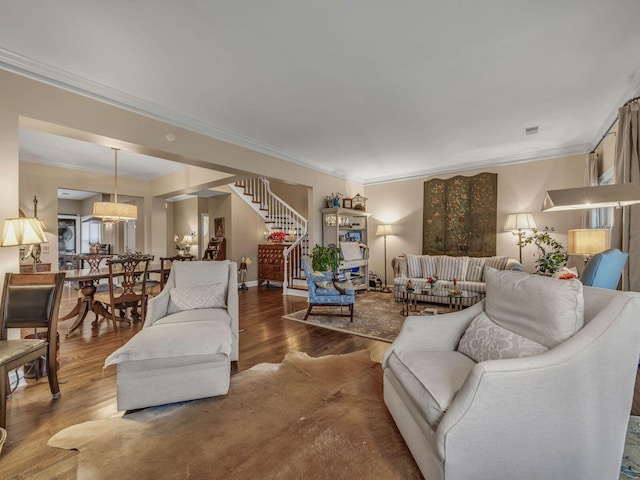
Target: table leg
<point x="82" y="307"/>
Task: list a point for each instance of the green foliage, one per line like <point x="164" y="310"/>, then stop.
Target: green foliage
<point x="325" y="259"/>
<point x="551" y="253"/>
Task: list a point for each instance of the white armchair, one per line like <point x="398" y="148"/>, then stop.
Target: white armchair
<point x="558" y="414"/>
<point x="188" y="340"/>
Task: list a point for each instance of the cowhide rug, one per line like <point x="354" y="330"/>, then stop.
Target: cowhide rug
<point x="306" y="418"/>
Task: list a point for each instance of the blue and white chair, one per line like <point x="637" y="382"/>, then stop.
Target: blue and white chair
<point x="323" y="292"/>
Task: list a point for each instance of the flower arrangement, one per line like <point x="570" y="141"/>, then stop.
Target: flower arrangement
<point x="277" y="237"/>
<point x="334" y="199"/>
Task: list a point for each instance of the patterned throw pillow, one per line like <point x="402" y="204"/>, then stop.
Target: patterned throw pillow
<point x="452" y="267"/>
<point x="414" y="267"/>
<point x="429" y="265"/>
<point x="475" y="270"/>
<point x="191" y="298"/>
<point x="486" y="340"/>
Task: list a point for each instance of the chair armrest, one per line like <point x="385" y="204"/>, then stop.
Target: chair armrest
<point x="157" y="308"/>
<point x="592" y="373"/>
<point x="437" y="333"/>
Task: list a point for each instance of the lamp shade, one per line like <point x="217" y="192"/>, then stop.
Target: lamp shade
<point x="617" y="195"/>
<point x="587" y="241"/>
<point x="248" y="261"/>
<point x="115" y="212"/>
<point x="384" y="230"/>
<point x="22" y="231"/>
<point x="519" y="221"/>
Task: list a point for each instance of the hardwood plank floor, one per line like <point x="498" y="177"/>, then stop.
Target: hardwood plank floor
<point x="89" y="393"/>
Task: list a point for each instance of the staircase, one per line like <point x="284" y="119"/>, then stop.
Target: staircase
<point x="279" y="216"/>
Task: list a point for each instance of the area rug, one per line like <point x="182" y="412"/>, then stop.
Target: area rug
<point x="631" y="458"/>
<point x="311" y="418"/>
<point x="375" y="315"/>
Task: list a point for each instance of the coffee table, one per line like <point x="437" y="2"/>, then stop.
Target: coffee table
<point x="410" y="297"/>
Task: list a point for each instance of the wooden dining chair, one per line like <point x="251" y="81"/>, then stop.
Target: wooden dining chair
<point x="165" y="269"/>
<point x="29" y="301"/>
<point x="127" y="289"/>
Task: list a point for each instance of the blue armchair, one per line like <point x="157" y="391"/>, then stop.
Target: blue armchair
<point x="323" y="292"/>
<point x="604" y="269"/>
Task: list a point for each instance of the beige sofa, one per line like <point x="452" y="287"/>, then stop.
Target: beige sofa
<point x="468" y="272"/>
<point x="189" y="338"/>
<point x="542" y="390"/>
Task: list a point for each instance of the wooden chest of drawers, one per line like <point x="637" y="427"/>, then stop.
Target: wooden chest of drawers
<point x="271" y="262"/>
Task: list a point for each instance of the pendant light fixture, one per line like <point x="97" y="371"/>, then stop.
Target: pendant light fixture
<point x="114" y="211"/>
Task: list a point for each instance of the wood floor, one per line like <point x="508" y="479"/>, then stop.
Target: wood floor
<point x="89" y="393"/>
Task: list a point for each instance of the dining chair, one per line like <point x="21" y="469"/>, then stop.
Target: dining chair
<point x="29" y="301"/>
<point x="129" y="292"/>
<point x="165" y="268"/>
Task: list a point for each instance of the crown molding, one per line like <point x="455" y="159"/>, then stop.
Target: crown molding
<point x="30" y="68"/>
<point x="56" y="77"/>
<point x="494" y="162"/>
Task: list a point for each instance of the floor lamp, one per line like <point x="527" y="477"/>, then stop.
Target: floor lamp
<point x="383" y="231"/>
<point x="518" y="223"/>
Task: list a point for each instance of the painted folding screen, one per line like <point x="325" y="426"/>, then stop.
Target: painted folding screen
<point x="460" y="216"/>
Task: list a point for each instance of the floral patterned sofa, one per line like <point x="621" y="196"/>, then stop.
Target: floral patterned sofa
<point x="467" y="271"/>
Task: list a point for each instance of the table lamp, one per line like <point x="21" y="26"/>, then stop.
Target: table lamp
<point x="587" y="241"/>
<point x="24" y="231"/>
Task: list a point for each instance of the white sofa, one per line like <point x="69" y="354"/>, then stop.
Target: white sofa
<point x="559" y="413"/>
<point x="189" y="338"/>
<point x="468" y="272"/>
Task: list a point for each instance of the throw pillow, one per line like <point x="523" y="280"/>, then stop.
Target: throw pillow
<point x="191" y="298"/>
<point x="414" y="268"/>
<point x="452" y="267"/>
<point x="543" y="309"/>
<point x="323" y="284"/>
<point x="475" y="270"/>
<point x="485" y="340"/>
<point x="429" y="265"/>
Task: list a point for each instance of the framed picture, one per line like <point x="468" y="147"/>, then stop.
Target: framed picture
<point x="347" y="203"/>
<point x="218" y="227"/>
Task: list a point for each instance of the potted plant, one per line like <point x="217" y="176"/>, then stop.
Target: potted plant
<point x="325" y="259"/>
<point x="551" y="253"/>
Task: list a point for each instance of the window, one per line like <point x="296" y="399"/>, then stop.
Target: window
<point x="602" y="217"/>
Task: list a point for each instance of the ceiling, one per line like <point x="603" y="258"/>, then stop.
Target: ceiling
<point x="366" y="90"/>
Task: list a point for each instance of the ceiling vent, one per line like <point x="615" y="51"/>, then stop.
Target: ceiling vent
<point x="531" y="130"/>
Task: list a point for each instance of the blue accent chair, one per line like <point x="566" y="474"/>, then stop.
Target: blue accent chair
<point x="323" y="292"/>
<point x="604" y="269"/>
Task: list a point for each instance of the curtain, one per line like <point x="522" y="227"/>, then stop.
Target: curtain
<point x="590" y="180"/>
<point x="625" y="231"/>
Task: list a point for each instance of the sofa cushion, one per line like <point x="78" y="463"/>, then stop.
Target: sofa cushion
<point x="485" y="340"/>
<point x="431" y="379"/>
<point x="475" y="269"/>
<point x="499" y="263"/>
<point x="429" y="265"/>
<point x="545" y="310"/>
<point x="202" y="296"/>
<point x="414" y="266"/>
<point x="175" y="340"/>
<point x="452" y="267"/>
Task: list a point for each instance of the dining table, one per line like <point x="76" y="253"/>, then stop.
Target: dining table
<point x="88" y="280"/>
